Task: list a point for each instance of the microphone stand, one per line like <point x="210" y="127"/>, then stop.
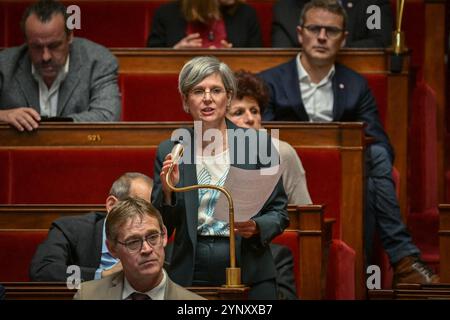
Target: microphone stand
<point x="398" y="41"/>
<point x="233" y="273"/>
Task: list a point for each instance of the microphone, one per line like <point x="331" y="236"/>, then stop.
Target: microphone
<point x="177" y="152"/>
<point x="233" y="273"/>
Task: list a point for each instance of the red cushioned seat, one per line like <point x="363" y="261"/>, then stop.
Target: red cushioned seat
<point x="379" y="87"/>
<point x="2" y="25"/>
<point x="290" y="239"/>
<point x="72" y="176"/>
<point x="13" y="11"/>
<point x="17" y="248"/>
<point x="323" y="176"/>
<point x="340" y="282"/>
<point x="151" y="97"/>
<point x="112" y="23"/>
<point x="265" y="15"/>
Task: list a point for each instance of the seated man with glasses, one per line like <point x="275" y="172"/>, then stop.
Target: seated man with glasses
<point x="314" y="88"/>
<point x="369" y="23"/>
<point x="136" y="235"/>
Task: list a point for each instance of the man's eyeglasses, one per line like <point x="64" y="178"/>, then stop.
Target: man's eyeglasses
<point x="134" y="246"/>
<point x="213" y="93"/>
<point x="331" y="32"/>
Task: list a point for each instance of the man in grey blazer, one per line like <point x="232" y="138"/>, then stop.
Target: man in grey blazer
<point x="56" y="75"/>
<point x="137" y="236"/>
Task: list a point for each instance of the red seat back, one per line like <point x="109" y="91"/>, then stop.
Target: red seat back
<point x="323" y="176"/>
<point x="151" y="97"/>
<point x="379" y="87"/>
<point x="71" y="175"/>
<point x="17" y="248"/>
<point x="290" y="239"/>
<point x="265" y="14"/>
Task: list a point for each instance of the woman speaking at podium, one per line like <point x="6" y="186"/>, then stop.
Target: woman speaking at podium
<point x="213" y="151"/>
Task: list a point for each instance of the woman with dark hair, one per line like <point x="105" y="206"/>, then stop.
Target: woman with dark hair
<point x="185" y="24"/>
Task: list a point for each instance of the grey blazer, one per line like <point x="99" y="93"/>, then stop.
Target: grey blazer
<point x="89" y="93"/>
<point x="110" y="288"/>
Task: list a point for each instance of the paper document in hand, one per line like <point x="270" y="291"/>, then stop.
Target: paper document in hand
<point x="249" y="189"/>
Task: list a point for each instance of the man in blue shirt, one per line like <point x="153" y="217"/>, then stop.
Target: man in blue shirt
<point x="80" y="240"/>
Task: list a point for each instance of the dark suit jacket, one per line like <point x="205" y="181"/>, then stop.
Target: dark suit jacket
<point x="169" y="26"/>
<point x="286" y="16"/>
<point x="73" y="240"/>
<point x="353" y="100"/>
<point x="89" y="92"/>
<point x="253" y="254"/>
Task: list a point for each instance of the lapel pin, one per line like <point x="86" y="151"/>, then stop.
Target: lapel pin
<point x="341" y="85"/>
<point x="350" y="4"/>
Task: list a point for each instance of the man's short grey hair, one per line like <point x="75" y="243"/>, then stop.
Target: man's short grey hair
<point x="121" y="187"/>
<point x="332" y="6"/>
<point x="199" y="68"/>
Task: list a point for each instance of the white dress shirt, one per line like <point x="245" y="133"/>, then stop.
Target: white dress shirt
<point x="157" y="293"/>
<point x="317" y="97"/>
<point x="48" y="98"/>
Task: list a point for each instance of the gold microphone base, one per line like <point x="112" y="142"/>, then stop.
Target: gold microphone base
<point x="233" y="278"/>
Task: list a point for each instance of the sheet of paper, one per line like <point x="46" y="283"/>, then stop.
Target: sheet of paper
<point x="249" y="189"/>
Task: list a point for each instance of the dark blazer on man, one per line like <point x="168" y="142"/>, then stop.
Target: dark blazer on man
<point x="89" y="93"/>
<point x="75" y="240"/>
<point x="169" y="26"/>
<point x="253" y="254"/>
<point x="353" y="100"/>
<point x="286" y="17"/>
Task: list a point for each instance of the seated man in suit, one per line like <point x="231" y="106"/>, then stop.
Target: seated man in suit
<point x="81" y="240"/>
<point x="56" y="75"/>
<point x="312" y="87"/>
<point x="360" y="34"/>
<point x="137" y="236"/>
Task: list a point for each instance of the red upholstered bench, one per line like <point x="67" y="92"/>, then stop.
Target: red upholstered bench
<point x="72" y="175"/>
<point x="151" y="97"/>
<point x="2" y="25"/>
<point x="323" y="174"/>
<point x="379" y="87"/>
<point x="17" y="247"/>
<point x="155" y="97"/>
<point x="265" y="14"/>
<point x="110" y="23"/>
<point x="290" y="239"/>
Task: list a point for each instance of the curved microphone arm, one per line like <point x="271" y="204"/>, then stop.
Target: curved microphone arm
<point x="233" y="274"/>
